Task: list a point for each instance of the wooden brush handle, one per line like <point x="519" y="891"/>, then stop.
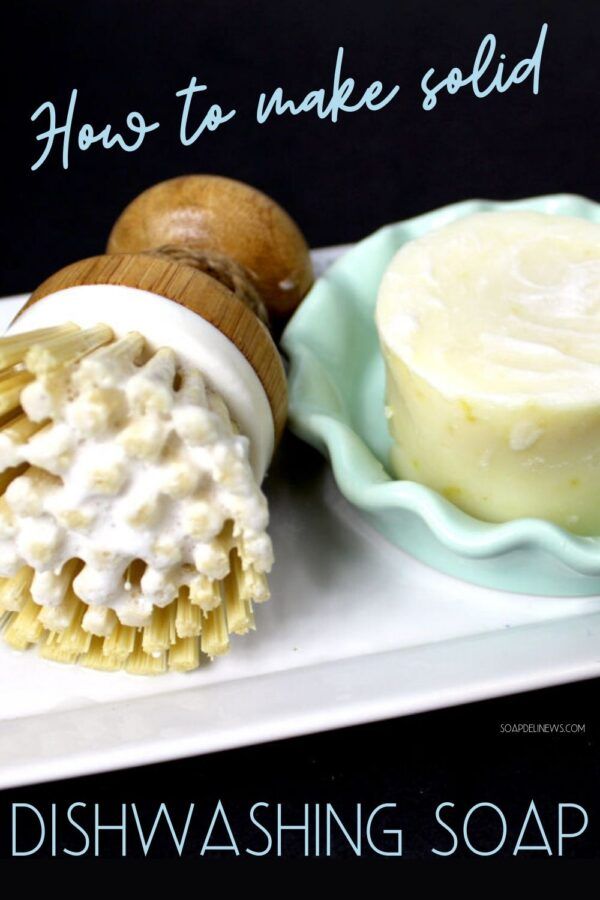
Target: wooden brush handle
<point x="228" y="218"/>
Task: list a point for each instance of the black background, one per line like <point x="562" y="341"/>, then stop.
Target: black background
<point x="340" y="181"/>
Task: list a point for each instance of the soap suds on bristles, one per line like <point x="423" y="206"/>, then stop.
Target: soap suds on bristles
<point x="127" y="496"/>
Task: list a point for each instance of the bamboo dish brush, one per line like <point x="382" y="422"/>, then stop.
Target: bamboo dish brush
<point x="141" y="398"/>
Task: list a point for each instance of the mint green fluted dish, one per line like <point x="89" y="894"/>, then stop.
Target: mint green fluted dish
<point x="337" y="387"/>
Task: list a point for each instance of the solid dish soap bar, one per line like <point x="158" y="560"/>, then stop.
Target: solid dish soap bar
<point x="490" y="330"/>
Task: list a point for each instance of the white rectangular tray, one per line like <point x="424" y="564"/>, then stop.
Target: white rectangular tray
<point x="356" y="631"/>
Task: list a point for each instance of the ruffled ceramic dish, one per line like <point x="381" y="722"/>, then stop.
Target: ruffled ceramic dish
<point x="337" y="384"/>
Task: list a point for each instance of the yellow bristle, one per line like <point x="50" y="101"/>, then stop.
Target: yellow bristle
<point x="43" y="358"/>
<point x="74" y="639"/>
<point x="15" y="591"/>
<point x="240" y="618"/>
<point x="10" y="391"/>
<point x="126" y="348"/>
<point x="24" y="627"/>
<point x="188" y="621"/>
<point x="215" y="637"/>
<point x="52" y="649"/>
<point x="99" y="621"/>
<point x="140" y="663"/>
<point x="253" y="585"/>
<point x="9" y="475"/>
<point x="59" y="618"/>
<point x="160" y="633"/>
<point x="205" y="593"/>
<point x="13" y="348"/>
<point x="96" y="658"/>
<point x="20" y="429"/>
<point x="120" y="643"/>
<point x="52" y="589"/>
<point x="184" y="656"/>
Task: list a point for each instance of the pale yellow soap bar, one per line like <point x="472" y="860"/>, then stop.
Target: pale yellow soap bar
<point x="490" y="329"/>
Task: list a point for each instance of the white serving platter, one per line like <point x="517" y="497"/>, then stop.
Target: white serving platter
<point x="356" y="631"/>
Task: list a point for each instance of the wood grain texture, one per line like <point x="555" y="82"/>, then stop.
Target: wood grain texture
<point x="197" y="292"/>
<point x="228" y="217"/>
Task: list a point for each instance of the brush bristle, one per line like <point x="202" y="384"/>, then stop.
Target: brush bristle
<point x="65" y="392"/>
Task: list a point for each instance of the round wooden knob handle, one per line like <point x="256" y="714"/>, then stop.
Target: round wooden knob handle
<point x="228" y="218"/>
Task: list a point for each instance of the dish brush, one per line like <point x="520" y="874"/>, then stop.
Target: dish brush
<point x="141" y="398"/>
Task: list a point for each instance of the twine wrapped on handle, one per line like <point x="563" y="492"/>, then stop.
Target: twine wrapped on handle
<point x="222" y="268"/>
